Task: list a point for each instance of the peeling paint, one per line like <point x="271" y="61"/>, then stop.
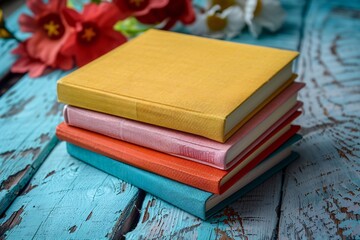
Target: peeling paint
<point x="44" y="138"/>
<point x="72" y="229"/>
<point x="49" y="174"/>
<point x="223" y="235"/>
<point x="13" y="220"/>
<point x="89" y="216"/>
<point x="56" y="109"/>
<point x="13" y="179"/>
<point x="28" y="189"/>
<point x="17" y="108"/>
<point x="34" y="151"/>
<point x="6" y="155"/>
<point x="146" y="214"/>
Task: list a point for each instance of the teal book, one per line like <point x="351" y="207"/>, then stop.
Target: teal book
<point x="195" y="201"/>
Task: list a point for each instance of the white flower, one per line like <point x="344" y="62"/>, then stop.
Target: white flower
<point x="263" y="14"/>
<point x="219" y="24"/>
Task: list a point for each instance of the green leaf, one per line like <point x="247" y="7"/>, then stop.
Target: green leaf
<point x="130" y="27"/>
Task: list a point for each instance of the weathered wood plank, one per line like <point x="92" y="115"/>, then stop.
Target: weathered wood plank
<point x="321" y="197"/>
<point x="29" y="114"/>
<point x="6" y="59"/>
<point x="67" y="199"/>
<point x="253" y="216"/>
<point x="7" y="45"/>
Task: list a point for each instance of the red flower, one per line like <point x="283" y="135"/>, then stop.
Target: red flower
<point x="137" y="7"/>
<point x="92" y="34"/>
<point x="49" y="31"/>
<point x="35" y="67"/>
<point x="175" y="10"/>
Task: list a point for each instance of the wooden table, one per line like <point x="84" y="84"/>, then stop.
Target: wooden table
<point x="46" y="194"/>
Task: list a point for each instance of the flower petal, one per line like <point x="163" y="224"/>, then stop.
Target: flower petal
<point x="36" y="6"/>
<point x="124" y="11"/>
<point x="71" y="16"/>
<point x="255" y="28"/>
<point x="188" y="16"/>
<point x="69" y="46"/>
<point x="236" y="23"/>
<point x="155" y="16"/>
<point x="153" y="4"/>
<point x="27" y="23"/>
<point x="116" y="36"/>
<point x="20" y="66"/>
<point x="43" y="48"/>
<point x="36" y="69"/>
<point x="109" y="15"/>
<point x="272" y="17"/>
<point x="20" y="49"/>
<point x="64" y="62"/>
<point x="57" y="5"/>
<point x="199" y="27"/>
<point x="27" y="64"/>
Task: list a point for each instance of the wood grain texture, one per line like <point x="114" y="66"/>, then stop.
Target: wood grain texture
<point x="252" y="217"/>
<point x="321" y="198"/>
<point x="67" y="199"/>
<point x="29" y="114"/>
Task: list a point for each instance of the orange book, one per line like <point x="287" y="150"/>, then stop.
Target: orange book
<point x="188" y="172"/>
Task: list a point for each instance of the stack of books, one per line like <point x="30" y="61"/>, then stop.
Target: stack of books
<point x="196" y="122"/>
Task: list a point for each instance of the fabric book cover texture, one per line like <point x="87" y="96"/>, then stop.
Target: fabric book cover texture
<point x="162" y="78"/>
<point x="185" y="145"/>
<point x="185" y="197"/>
<point x="195" y="174"/>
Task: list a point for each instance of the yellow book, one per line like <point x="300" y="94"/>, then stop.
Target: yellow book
<point x="202" y="86"/>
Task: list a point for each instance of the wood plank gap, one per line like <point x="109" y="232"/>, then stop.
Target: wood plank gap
<point x="304" y="13"/>
<point x="28" y="185"/>
<point x="275" y="234"/>
<point x="9" y="80"/>
<point x="321" y="189"/>
<point x="30" y="171"/>
<point x="130" y="220"/>
<point x="68" y="199"/>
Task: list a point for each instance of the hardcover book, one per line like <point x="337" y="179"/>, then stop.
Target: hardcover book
<point x="185" y="145"/>
<point x="193" y="200"/>
<point x="161" y="78"/>
<point x="188" y="172"/>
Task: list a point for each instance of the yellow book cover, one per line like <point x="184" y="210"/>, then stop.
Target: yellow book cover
<point x="202" y="86"/>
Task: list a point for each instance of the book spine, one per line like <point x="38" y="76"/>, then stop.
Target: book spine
<point x="258" y="181"/>
<point x="146" y="159"/>
<point x="146" y="135"/>
<point x="187" y="198"/>
<point x="286" y="139"/>
<point x="197" y="123"/>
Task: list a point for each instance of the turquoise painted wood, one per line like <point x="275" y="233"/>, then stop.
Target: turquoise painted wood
<point x="247" y="222"/>
<point x="252" y="216"/>
<point x="7" y="45"/>
<point x="7" y="59"/>
<point x="29" y="114"/>
<point x="67" y="199"/>
<point x="321" y="198"/>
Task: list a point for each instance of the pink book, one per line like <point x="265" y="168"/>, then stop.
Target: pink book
<point x="189" y="146"/>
